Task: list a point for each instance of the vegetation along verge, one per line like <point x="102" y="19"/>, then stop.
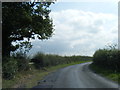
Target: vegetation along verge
<point x="106" y="62"/>
<point x="36" y="68"/>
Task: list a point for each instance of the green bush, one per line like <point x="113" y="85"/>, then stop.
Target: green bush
<point x="114" y="59"/>
<point x="9" y="68"/>
<point x="100" y="57"/>
<point x="107" y="58"/>
<point x="23" y="64"/>
<point x="38" y="60"/>
<point x="17" y="62"/>
<point x="22" y="61"/>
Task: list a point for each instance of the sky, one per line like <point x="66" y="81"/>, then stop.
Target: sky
<point x="81" y="28"/>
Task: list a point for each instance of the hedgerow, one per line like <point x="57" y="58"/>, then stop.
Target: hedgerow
<point x="42" y="60"/>
<point x="107" y="58"/>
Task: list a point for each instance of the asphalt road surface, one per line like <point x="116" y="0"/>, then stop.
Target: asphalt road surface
<point x="75" y="76"/>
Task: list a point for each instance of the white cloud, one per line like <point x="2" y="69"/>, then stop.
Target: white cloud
<point x="80" y="32"/>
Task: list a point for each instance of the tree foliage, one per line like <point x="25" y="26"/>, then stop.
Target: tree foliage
<point x="22" y="20"/>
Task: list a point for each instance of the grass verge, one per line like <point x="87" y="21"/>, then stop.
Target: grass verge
<point x="112" y="75"/>
<point x="28" y="79"/>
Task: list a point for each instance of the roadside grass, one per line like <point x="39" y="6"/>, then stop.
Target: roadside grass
<point x="29" y="79"/>
<point x="110" y="74"/>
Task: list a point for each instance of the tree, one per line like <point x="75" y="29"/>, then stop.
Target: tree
<point x="22" y="20"/>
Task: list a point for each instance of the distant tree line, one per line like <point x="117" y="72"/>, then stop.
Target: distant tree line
<point x="42" y="60"/>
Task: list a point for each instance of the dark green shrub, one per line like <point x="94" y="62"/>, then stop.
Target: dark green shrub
<point x="114" y="59"/>
<point x="23" y="64"/>
<point x="107" y="58"/>
<point x="22" y="61"/>
<point x="101" y="57"/>
<point x="38" y="60"/>
<point x="9" y="68"/>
